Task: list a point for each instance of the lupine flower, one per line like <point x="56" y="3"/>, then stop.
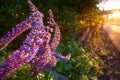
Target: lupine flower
<point x="46" y="58"/>
<point x="43" y="56"/>
<point x="24" y="54"/>
<point x="27" y="50"/>
<point x="95" y="51"/>
<point x="85" y="34"/>
<point x="89" y="36"/>
<point x="56" y="75"/>
<point x="58" y="55"/>
<point x="36" y="47"/>
<point x="21" y="27"/>
<point x="56" y="36"/>
<point x="40" y="61"/>
<point x="11" y="35"/>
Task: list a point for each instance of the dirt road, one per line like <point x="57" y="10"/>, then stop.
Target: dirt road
<point x="114" y="33"/>
<point x="111" y="39"/>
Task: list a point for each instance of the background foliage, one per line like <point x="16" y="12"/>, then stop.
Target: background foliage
<point x="73" y="17"/>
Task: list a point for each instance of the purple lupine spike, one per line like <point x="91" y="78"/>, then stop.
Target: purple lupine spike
<point x="56" y="75"/>
<point x="56" y="36"/>
<point x="63" y="77"/>
<point x="43" y="56"/>
<point x="85" y="34"/>
<point x="38" y="39"/>
<point x="46" y="58"/>
<point x="21" y="27"/>
<point x="96" y="50"/>
<point x="43" y="60"/>
<point x="27" y="50"/>
<point x="11" y="35"/>
<point x="66" y="58"/>
<point x="40" y="61"/>
<point x="32" y="6"/>
<point x="24" y="54"/>
<point x="51" y="63"/>
<point x="53" y="73"/>
<point x="34" y="10"/>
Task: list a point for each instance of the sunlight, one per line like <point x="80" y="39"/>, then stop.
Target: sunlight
<point x="115" y="15"/>
<point x="109" y="5"/>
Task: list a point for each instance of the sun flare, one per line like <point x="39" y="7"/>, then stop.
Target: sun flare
<point x="109" y="5"/>
<point x="115" y="15"/>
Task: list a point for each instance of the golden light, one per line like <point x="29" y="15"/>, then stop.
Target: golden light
<point x="109" y="5"/>
<point x="115" y="15"/>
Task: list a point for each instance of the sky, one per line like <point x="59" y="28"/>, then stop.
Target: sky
<point x="110" y="5"/>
